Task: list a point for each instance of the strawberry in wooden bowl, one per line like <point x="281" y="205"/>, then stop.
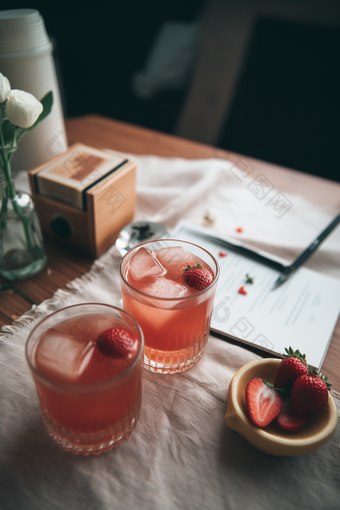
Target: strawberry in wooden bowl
<point x="294" y="419"/>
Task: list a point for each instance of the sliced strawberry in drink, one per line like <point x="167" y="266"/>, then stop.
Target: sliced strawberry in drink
<point x="264" y="403"/>
<point x="289" y="421"/>
<point x="118" y="342"/>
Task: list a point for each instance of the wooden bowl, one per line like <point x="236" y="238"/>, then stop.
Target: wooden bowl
<point x="272" y="439"/>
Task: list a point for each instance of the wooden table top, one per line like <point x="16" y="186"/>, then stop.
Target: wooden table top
<point x="64" y="266"/>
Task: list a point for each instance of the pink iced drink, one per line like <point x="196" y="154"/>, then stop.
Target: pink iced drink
<point x="173" y="315"/>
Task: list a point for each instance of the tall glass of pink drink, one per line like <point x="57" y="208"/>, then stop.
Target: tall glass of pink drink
<point x="174" y="316"/>
<point x="89" y="395"/>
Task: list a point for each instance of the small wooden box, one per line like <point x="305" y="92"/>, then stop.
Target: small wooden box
<point x="84" y="197"/>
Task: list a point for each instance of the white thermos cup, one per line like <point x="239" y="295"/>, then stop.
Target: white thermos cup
<point x="26" y="60"/>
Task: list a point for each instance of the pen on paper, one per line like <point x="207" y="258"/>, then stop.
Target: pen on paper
<point x="307" y="253"/>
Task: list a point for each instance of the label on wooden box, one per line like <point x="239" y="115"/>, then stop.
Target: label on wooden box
<point x="68" y="177"/>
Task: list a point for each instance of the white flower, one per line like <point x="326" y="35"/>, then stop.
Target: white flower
<point x="22" y="108"/>
<point x="5" y="87"/>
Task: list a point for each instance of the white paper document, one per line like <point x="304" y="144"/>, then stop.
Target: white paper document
<point x="301" y="313"/>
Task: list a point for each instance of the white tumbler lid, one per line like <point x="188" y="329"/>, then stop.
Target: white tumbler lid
<point x="23" y="34"/>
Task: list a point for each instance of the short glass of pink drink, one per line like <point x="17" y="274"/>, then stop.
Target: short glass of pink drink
<point x="86" y="364"/>
<point x="173" y="314"/>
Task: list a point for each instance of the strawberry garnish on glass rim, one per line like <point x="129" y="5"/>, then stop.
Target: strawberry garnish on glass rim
<point x="117" y="342"/>
<point x="198" y="277"/>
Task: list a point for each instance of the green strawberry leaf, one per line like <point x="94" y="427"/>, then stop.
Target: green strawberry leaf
<point x="290" y="353"/>
<point x="313" y="371"/>
<point x="193" y="267"/>
<point x="249" y="279"/>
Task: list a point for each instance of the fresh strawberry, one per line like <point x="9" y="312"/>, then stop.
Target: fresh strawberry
<point x="198" y="277"/>
<point x="118" y="342"/>
<point x="290" y="369"/>
<point x="286" y="420"/>
<point x="264" y="403"/>
<point x="309" y="392"/>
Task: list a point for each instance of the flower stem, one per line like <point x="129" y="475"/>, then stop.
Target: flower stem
<point x="5" y="155"/>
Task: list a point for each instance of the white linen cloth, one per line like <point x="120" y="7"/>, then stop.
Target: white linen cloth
<point x="181" y="454"/>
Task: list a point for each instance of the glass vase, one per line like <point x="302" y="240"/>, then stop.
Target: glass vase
<point x="22" y="252"/>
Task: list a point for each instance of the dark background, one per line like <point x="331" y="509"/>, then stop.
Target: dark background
<point x="286" y="108"/>
<point x="100" y="45"/>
